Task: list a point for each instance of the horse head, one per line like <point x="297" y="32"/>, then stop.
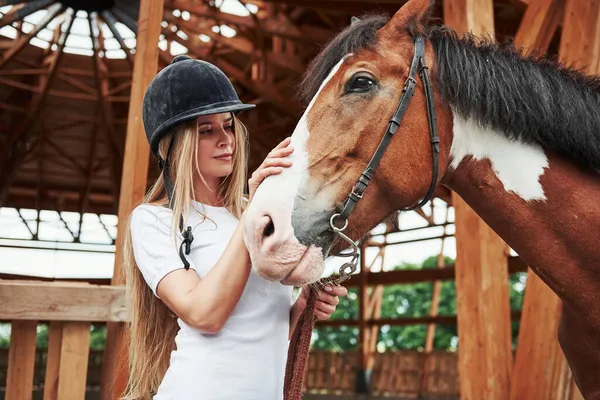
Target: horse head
<point x="355" y="85"/>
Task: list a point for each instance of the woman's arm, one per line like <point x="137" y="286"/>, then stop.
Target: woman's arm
<point x="207" y="303"/>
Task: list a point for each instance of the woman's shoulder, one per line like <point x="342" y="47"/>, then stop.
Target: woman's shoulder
<point x="146" y="213"/>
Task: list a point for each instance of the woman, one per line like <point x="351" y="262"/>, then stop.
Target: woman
<point x="204" y="324"/>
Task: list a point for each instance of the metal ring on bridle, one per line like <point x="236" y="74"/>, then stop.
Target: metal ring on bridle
<point x="332" y="223"/>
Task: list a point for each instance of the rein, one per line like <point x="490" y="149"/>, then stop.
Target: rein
<point x="300" y="341"/>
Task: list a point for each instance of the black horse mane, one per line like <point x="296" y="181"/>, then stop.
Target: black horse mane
<point x="527" y="98"/>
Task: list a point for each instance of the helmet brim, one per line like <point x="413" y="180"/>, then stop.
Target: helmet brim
<point x="188" y="116"/>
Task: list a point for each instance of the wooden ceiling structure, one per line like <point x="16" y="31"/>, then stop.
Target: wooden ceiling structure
<point x="63" y="119"/>
<point x="63" y="116"/>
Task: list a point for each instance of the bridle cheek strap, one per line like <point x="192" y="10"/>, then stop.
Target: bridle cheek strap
<point x="417" y="65"/>
<point x="339" y="221"/>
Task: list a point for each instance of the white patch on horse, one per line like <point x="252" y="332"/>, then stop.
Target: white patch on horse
<point x="285" y="186"/>
<point x="517" y="165"/>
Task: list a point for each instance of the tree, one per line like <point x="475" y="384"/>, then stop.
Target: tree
<point x="408" y="300"/>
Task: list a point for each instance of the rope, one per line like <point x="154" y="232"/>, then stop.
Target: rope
<point x="298" y="350"/>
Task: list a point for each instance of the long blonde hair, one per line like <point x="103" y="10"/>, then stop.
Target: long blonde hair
<point x="153" y="326"/>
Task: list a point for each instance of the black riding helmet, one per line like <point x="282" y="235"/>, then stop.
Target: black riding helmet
<point x="183" y="91"/>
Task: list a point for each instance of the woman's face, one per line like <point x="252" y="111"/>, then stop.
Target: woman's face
<point x="216" y="144"/>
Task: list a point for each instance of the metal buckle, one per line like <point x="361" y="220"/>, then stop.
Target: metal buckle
<point x="335" y="228"/>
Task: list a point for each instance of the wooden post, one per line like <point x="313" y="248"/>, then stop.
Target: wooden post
<point x="133" y="182"/>
<point x="362" y="384"/>
<point x="539" y="362"/>
<point x="476" y="16"/>
<point x="21" y="360"/>
<point x="539" y="357"/>
<point x="483" y="312"/>
<point x="482" y="300"/>
<point x="74" y="354"/>
<point x="55" y="330"/>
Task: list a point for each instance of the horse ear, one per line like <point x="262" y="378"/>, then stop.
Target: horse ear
<point x="354" y="20"/>
<point x="412" y="16"/>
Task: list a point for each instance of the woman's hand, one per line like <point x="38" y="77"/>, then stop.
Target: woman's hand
<point x="327" y="300"/>
<point x="272" y="165"/>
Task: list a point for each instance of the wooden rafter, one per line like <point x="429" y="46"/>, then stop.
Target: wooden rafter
<point x="110" y="21"/>
<point x="24" y="71"/>
<point x="107" y="118"/>
<point x="240" y="44"/>
<point x="76" y="83"/>
<point x="287" y="106"/>
<point x="12" y="2"/>
<point x="311" y="35"/>
<point x="126" y="19"/>
<point x="539" y="25"/>
<point x="17" y="14"/>
<point x="12" y="155"/>
<point x="52" y="13"/>
<point x="79" y="168"/>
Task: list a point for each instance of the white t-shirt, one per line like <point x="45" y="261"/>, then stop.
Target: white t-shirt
<point x="246" y="359"/>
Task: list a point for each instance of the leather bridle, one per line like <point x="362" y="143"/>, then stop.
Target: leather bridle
<point x="341" y="218"/>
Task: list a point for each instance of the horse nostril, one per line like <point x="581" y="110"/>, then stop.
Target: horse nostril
<point x="269" y="229"/>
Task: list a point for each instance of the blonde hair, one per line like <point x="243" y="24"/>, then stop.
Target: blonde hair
<point x="153" y="326"/>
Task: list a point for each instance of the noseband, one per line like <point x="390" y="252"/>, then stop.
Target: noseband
<point x="341" y="218"/>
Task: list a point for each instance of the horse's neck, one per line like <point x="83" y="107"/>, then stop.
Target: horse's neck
<point x="546" y="209"/>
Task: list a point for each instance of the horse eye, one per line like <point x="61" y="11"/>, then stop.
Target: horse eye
<point x="361" y="83"/>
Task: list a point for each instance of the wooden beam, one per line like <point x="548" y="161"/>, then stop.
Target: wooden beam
<point x="24" y="71"/>
<point x="312" y="35"/>
<point x="107" y="124"/>
<point x="288" y="106"/>
<point x="17" y="14"/>
<point x="110" y="21"/>
<point x="476" y="16"/>
<point x="13" y="108"/>
<point x="362" y="384"/>
<point x="133" y="183"/>
<point x="482" y="301"/>
<point x="59" y="301"/>
<point x="482" y="298"/>
<point x="52" y="13"/>
<point x="122" y="86"/>
<point x="539" y="357"/>
<point x="581" y="36"/>
<point x="43" y="90"/>
<point x="240" y="44"/>
<point x="13" y="155"/>
<point x="439" y="320"/>
<point x="74" y="354"/>
<point x="539" y="25"/>
<point x="21" y="359"/>
<point x="12" y="2"/>
<point x="55" y="329"/>
<point x="126" y="19"/>
<point x="538" y="350"/>
<point x="77" y="83"/>
<point x="515" y="264"/>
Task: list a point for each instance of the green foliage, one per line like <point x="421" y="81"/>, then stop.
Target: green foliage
<point x="97" y="336"/>
<point x="407" y="301"/>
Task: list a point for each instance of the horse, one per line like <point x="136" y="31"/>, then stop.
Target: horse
<point x="516" y="136"/>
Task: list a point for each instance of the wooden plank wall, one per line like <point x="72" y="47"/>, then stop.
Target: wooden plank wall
<point x="70" y="307"/>
<point x="395" y="374"/>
